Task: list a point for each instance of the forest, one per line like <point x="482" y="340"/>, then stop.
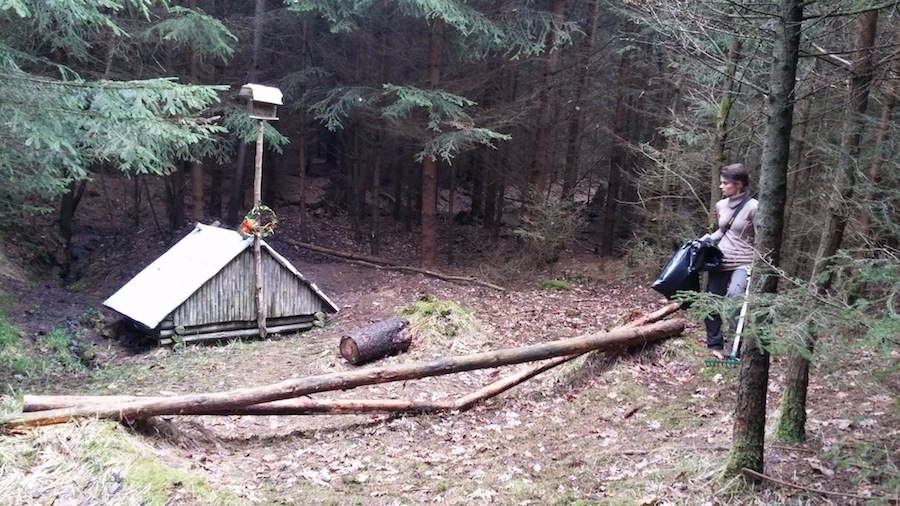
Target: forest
<point x="527" y="167"/>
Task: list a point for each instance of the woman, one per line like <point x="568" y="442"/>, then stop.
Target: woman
<point x="736" y="242"/>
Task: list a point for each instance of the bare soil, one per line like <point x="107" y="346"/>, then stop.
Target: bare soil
<point x="649" y="427"/>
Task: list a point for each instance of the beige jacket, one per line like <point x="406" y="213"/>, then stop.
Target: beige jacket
<point x="737" y="243"/>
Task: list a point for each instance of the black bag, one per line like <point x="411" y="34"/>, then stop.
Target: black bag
<point x="682" y="273"/>
<point x="707" y="256"/>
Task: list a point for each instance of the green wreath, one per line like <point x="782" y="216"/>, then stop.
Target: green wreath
<point x="260" y="222"/>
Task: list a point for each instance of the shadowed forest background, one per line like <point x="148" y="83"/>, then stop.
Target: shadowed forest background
<point x="514" y="141"/>
<point x="608" y="120"/>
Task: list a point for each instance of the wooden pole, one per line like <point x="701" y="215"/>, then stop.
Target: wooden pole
<point x="36" y="403"/>
<point x="220" y="401"/>
<point x="257" y="250"/>
<point x="33" y="403"/>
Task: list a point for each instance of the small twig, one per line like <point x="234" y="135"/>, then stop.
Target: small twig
<point x="379" y="263"/>
<point x="751" y="472"/>
<point x="792" y="448"/>
<point x="631" y="412"/>
<point x="675" y="449"/>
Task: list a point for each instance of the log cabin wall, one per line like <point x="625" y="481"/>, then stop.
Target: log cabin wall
<point x="228" y="296"/>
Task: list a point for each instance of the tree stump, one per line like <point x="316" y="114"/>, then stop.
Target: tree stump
<point x="375" y="341"/>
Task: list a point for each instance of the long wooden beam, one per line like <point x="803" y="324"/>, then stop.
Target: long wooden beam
<point x="222" y="401"/>
<point x="37" y="403"/>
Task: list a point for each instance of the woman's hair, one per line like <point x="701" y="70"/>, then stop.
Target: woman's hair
<point x="736" y="173"/>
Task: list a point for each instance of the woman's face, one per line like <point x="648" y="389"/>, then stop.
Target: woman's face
<point x="730" y="188"/>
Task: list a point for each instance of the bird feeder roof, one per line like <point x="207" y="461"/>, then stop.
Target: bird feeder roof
<point x="260" y="93"/>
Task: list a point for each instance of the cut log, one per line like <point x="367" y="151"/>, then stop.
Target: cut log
<point x="221" y="401"/>
<point x="375" y="341"/>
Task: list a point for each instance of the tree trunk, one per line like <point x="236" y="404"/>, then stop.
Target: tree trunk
<point x="792" y="425"/>
<point x="487" y="164"/>
<point x="357" y="185"/>
<point x="413" y="198"/>
<point x="215" y="191"/>
<point x="175" y="185"/>
<point x="540" y="163"/>
<point x="451" y="223"/>
<point x="428" y="251"/>
<point x="576" y="123"/>
<point x="616" y="166"/>
<point x="892" y="89"/>
<point x="479" y="175"/>
<point x="376" y="341"/>
<point x="212" y="402"/>
<point x="136" y="202"/>
<point x="375" y="223"/>
<point x="722" y="114"/>
<point x="302" y="162"/>
<point x="748" y="439"/>
<point x="67" y="207"/>
<point x="795" y="187"/>
<point x="197" y="207"/>
<point x="302" y="141"/>
<point x="663" y="210"/>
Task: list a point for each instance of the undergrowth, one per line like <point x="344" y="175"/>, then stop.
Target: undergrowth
<point x="440" y="321"/>
<point x="12" y="354"/>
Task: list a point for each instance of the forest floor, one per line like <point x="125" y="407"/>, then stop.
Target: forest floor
<point x="652" y="427"/>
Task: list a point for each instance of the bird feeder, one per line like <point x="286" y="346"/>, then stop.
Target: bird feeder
<point x="264" y="101"/>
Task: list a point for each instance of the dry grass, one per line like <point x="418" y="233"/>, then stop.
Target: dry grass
<point x="95" y="462"/>
<point x="10" y="270"/>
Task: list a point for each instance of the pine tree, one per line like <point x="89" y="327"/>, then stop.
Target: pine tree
<point x="59" y="121"/>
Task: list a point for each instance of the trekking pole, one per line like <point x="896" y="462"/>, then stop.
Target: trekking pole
<point x="732" y="360"/>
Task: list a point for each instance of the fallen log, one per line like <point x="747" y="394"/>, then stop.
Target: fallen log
<point x="375" y="341"/>
<point x="33" y="403"/>
<point x="36" y="403"/>
<point x="379" y="263"/>
<point x="306" y="406"/>
<point x="655" y="316"/>
<point x="222" y="401"/>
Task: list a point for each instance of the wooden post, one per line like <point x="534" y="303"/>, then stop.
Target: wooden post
<point x="257" y="250"/>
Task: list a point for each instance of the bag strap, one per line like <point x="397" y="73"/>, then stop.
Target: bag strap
<point x="737" y="211"/>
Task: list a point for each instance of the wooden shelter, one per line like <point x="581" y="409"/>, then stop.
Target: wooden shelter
<point x="203" y="288"/>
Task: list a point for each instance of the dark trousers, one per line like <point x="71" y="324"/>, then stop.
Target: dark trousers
<point x="731" y="284"/>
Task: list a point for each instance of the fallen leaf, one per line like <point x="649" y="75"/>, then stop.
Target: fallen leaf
<point x="817" y="465"/>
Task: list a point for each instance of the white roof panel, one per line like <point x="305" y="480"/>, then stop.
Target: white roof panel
<point x="262" y="93"/>
<point x="167" y="282"/>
